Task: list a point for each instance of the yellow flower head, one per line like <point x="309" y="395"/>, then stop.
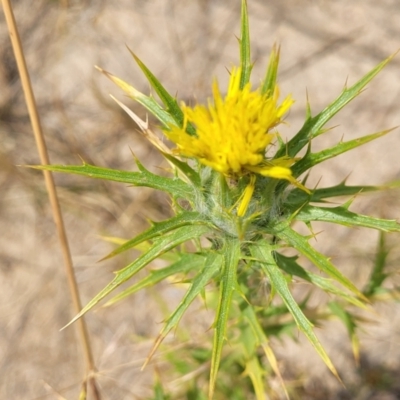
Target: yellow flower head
<point x="232" y="133"/>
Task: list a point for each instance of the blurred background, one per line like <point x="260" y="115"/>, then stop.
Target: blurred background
<point x="324" y="44"/>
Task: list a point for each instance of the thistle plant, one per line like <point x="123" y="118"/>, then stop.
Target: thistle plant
<point x="236" y="192"/>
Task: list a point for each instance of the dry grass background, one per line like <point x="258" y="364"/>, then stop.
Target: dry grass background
<point x="185" y="43"/>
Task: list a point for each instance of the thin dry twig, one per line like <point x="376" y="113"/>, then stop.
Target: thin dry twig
<point x="51" y="190"/>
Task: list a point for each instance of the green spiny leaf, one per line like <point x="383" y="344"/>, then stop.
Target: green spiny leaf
<point x="264" y="255"/>
<point x="245" y="61"/>
<point x="268" y="86"/>
<point x="212" y="265"/>
<point x="161" y="228"/>
<point x="291" y="267"/>
<point x="260" y="339"/>
<point x="312" y="159"/>
<point x="378" y="275"/>
<point x="175" y="187"/>
<point x="349" y="322"/>
<point x="227" y="286"/>
<point x="313" y="125"/>
<point x="342" y="190"/>
<point x="186" y="263"/>
<point x="300" y="243"/>
<point x="184" y="167"/>
<point x="169" y="101"/>
<point x="342" y="216"/>
<point x="160" y="246"/>
<point x="297" y="198"/>
<point x="147" y="102"/>
<point x="308" y="108"/>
